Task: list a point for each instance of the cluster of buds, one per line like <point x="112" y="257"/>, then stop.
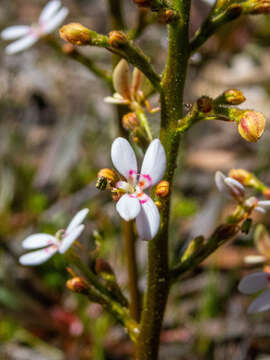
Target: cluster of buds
<point x="233" y="189"/>
<point x="251" y="124"/>
<point x="131" y="88"/>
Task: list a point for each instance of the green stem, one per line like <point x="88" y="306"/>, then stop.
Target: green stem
<point x="221" y="235"/>
<point x="144" y="123"/>
<point x="116" y="14"/>
<point x="88" y="63"/>
<point x="171" y="111"/>
<point x="120" y="313"/>
<point x="130" y="255"/>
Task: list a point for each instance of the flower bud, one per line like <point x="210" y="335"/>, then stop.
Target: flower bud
<point x="233" y="97"/>
<point x="205" y="104"/>
<point x="266" y="193"/>
<point x="77" y="285"/>
<point x="130" y="121"/>
<point x="109" y="174"/>
<point x="162" y="189"/>
<point x="76" y="34"/>
<point x="168" y="16"/>
<point x="241" y="175"/>
<point x="117" y="38"/>
<point x="262" y="8"/>
<point x="251" y="125"/>
<point x="158" y="204"/>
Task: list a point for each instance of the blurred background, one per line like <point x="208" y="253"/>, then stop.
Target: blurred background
<point x="55" y="134"/>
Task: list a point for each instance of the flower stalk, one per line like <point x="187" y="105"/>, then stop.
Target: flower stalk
<point x="173" y="84"/>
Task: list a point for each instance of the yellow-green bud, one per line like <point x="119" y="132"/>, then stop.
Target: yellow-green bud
<point x="130" y="121"/>
<point x="241" y="175"/>
<point x="234" y="97"/>
<point x="117" y="38"/>
<point x="263" y="7"/>
<point x="251" y="125"/>
<point x="163" y="188"/>
<point x="266" y="193"/>
<point x="77" y="285"/>
<point x="76" y="34"/>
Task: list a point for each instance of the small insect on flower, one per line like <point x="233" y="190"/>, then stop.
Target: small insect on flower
<point x="253" y="283"/>
<point x="135" y="203"/>
<point x="48" y="244"/>
<point x="51" y="17"/>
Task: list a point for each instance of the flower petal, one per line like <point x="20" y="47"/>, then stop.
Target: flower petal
<point x="121" y="79"/>
<point x="253" y="283"/>
<point x="77" y="220"/>
<point x="123" y="157"/>
<point x="49" y="10"/>
<point x="36" y="241"/>
<point x="236" y="187"/>
<point x="154" y="162"/>
<point x="22" y="44"/>
<point x="148" y="220"/>
<point x="264" y="204"/>
<point x="128" y="207"/>
<point x="53" y="23"/>
<point x="260" y="210"/>
<point x="38" y="257"/>
<point x="254" y="259"/>
<point x="15" y="32"/>
<point x="261" y="303"/>
<point x="219" y="180"/>
<point x="70" y="238"/>
<point x="114" y="100"/>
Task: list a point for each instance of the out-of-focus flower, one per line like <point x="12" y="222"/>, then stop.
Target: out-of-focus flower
<point x="48" y="244"/>
<point x="135" y="203"/>
<point x="129" y="87"/>
<point x="233" y="189"/>
<point x="230" y="187"/>
<point x="262" y="243"/>
<point x="51" y="17"/>
<point x="253" y="283"/>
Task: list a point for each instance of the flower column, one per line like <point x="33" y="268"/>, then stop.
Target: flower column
<point x="171" y="107"/>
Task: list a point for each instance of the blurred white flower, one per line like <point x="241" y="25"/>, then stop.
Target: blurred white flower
<point x="51" y="17"/>
<point x="253" y="283"/>
<point x="229" y="187"/>
<point x="49" y="244"/>
<point x="135" y="203"/>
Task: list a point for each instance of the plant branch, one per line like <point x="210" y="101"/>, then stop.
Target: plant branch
<point x="173" y="84"/>
<point x="85" y="61"/>
<point x="221" y="235"/>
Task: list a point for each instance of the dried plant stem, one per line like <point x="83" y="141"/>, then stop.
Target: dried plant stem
<point x="130" y="256"/>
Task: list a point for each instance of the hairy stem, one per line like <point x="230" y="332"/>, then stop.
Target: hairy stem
<point x="130" y="255"/>
<point x="171" y="111"/>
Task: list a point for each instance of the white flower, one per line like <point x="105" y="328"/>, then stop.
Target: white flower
<point x="253" y="283"/>
<point x="51" y="244"/>
<point x="50" y="19"/>
<point x="233" y="189"/>
<point x="230" y="187"/>
<point x="135" y="203"/>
